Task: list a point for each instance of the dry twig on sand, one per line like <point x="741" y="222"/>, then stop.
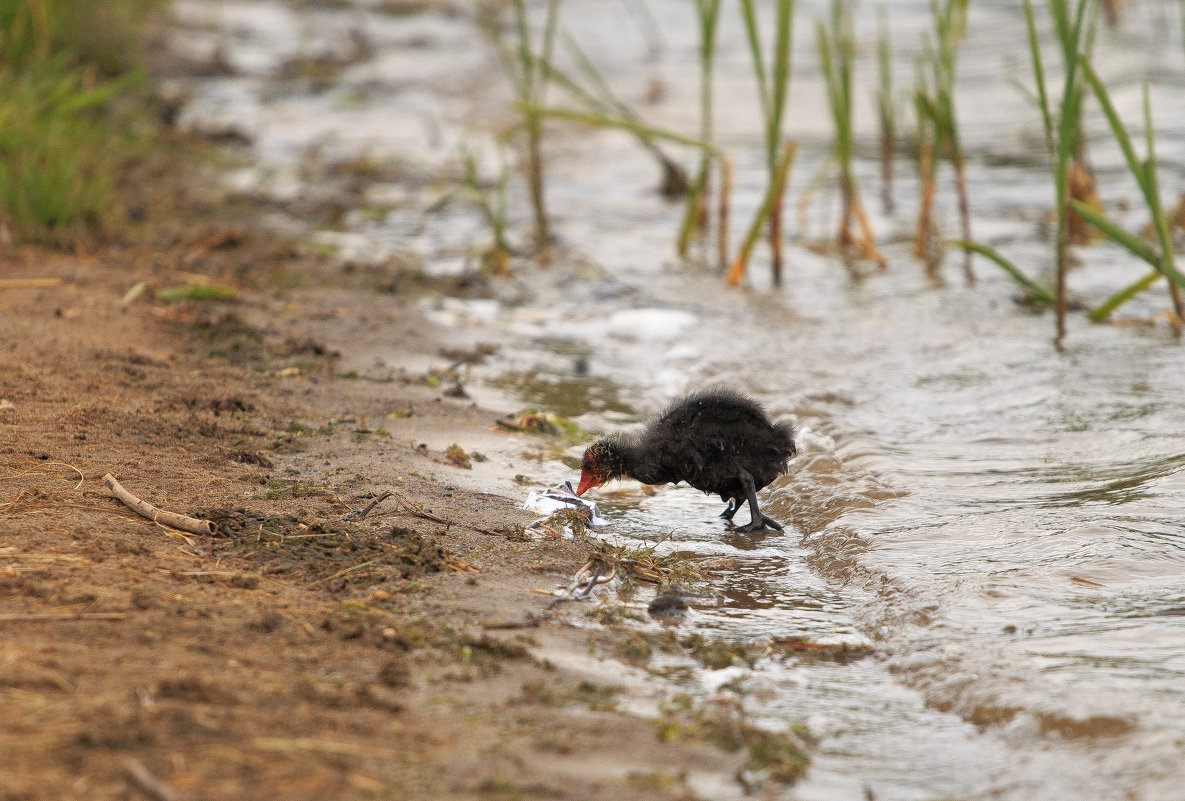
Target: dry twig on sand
<point x="28" y="283"/>
<point x="145" y="509"/>
<point x="145" y="782"/>
<point x="26" y="617"/>
<point x="586" y="579"/>
<point x="361" y="515"/>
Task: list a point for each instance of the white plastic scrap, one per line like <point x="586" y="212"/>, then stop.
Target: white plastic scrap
<point x="561" y="497"/>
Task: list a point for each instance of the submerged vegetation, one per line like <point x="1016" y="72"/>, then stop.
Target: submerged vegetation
<point x="66" y="69"/>
<point x="768" y="33"/>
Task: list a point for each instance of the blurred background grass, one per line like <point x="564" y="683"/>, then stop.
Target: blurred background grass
<point x="73" y="112"/>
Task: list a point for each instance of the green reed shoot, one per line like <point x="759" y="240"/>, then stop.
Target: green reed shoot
<point x="522" y="62"/>
<point x="695" y="214"/>
<point x="492" y="205"/>
<point x="594" y="92"/>
<point x="837" y="54"/>
<point x="1145" y="173"/>
<point x="924" y="246"/>
<point x="1035" y="293"/>
<point x="765" y="212"/>
<point x="773" y="85"/>
<point x="599" y="106"/>
<point x="1063" y="132"/>
<point x="886" y="108"/>
<point x="936" y="103"/>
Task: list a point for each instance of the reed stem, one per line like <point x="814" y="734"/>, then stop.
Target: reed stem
<point x="773" y="92"/>
<point x="837" y="54"/>
<point x="1063" y="134"/>
<point x="886" y="111"/>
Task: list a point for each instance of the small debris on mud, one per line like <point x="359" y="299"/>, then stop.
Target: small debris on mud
<point x="671" y="602"/>
<point x="329" y="555"/>
<point x="456" y="455"/>
<point x="806" y="648"/>
<point x="250" y="457"/>
<point x="777" y="756"/>
<point x="533" y="421"/>
<point x="568" y="514"/>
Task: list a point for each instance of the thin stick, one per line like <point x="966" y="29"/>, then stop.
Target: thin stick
<point x="343" y="572"/>
<point x="19" y="617"/>
<point x="145" y="509"/>
<point x="406" y="504"/>
<point x="143" y="780"/>
<point x="722" y="214"/>
<point x="26" y="283"/>
<point x="362" y="514"/>
<point x="81" y="477"/>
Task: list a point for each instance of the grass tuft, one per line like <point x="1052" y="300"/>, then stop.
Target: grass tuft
<point x="1145" y="173"/>
<point x="65" y="68"/>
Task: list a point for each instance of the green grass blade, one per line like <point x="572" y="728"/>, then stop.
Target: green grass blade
<point x="751" y="28"/>
<point x="1104" y="309"/>
<point x="1117" y="129"/>
<point x="639" y="130"/>
<point x="783" y="39"/>
<point x="1132" y="243"/>
<point x="884" y="95"/>
<point x="550" y="26"/>
<point x="687" y="224"/>
<point x="1153" y="185"/>
<point x="776" y="185"/>
<point x="1039" y="77"/>
<point x="991" y="254"/>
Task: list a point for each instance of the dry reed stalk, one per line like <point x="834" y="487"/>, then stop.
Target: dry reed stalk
<point x="145" y="782"/>
<point x="312" y="745"/>
<point x="886" y="112"/>
<point x="21" y="617"/>
<point x="775" y="233"/>
<point x="865" y="243"/>
<point x="29" y="283"/>
<point x="171" y="519"/>
<point x="344" y="572"/>
<point x="925" y="224"/>
<point x="722" y="213"/>
<point x="964" y="213"/>
<point x="81" y="477"/>
<point x="887" y="173"/>
<point x="1082" y="188"/>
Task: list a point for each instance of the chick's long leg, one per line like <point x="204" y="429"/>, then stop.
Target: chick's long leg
<point x="731" y="509"/>
<point x="757" y="520"/>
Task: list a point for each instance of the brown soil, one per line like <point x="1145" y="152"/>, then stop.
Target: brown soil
<point x="295" y="654"/>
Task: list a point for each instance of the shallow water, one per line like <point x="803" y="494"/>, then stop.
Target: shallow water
<point x="1000" y="521"/>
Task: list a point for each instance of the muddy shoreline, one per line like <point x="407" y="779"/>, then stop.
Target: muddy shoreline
<point x="410" y="654"/>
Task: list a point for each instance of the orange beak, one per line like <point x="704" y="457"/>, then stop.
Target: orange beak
<point x="588" y="481"/>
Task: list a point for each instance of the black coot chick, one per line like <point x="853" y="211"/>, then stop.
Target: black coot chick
<point x="716" y="439"/>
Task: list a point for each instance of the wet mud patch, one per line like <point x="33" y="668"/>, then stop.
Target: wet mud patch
<point x="805" y="649"/>
<point x="227" y="335"/>
<point x="332" y="555"/>
<point x="780" y="756"/>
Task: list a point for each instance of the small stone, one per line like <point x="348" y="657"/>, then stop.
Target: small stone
<point x="669" y="603"/>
